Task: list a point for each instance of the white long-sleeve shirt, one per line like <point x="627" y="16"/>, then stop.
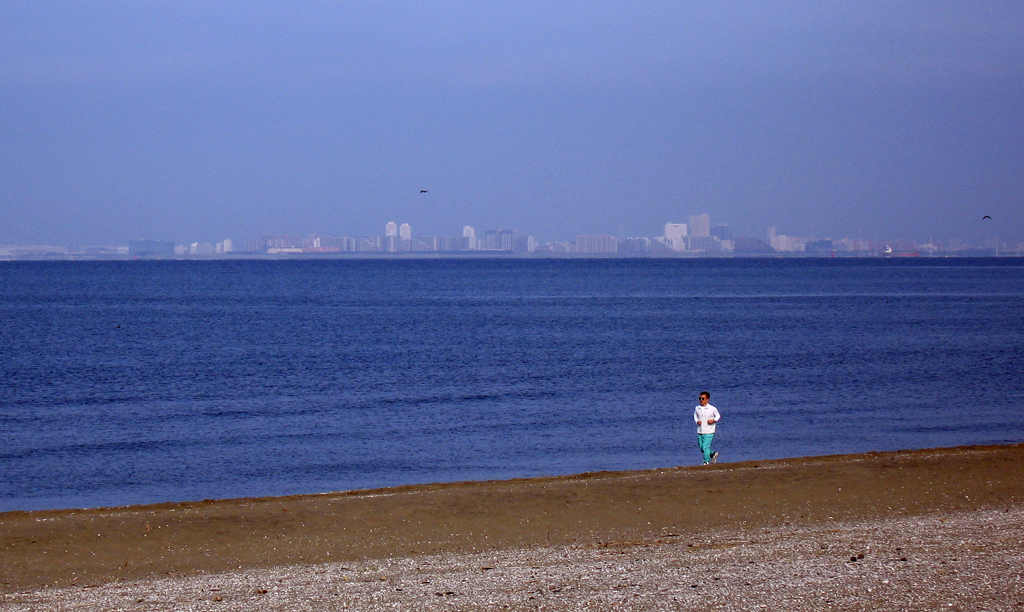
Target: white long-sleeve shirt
<point x="701" y="416"/>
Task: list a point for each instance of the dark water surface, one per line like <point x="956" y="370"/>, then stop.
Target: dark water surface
<point x="132" y="382"/>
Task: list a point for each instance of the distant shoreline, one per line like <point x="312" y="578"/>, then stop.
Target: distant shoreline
<point x="68" y="547"/>
<point x="500" y="255"/>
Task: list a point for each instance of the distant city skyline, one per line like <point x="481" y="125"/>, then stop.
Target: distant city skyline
<point x="986" y="231"/>
<point x="192" y="122"/>
<point x="699" y="235"/>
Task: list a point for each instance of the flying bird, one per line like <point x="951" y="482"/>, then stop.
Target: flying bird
<point x="423" y="191"/>
<point x="985" y="217"/>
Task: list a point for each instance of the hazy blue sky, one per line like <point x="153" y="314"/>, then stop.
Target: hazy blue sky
<point x="199" y="120"/>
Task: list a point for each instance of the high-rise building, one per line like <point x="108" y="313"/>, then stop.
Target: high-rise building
<point x="781" y="242"/>
<point x="703" y="244"/>
<point x="506" y="239"/>
<point x="405" y="231"/>
<point x="373" y="244"/>
<point x="819" y="246"/>
<point x="724" y="235"/>
<point x="450" y="243"/>
<point x="499" y="240"/>
<point x="201" y="248"/>
<point x="675" y="230"/>
<point x="525" y="244"/>
<point x="490" y="242"/>
<point x="597" y="244"/>
<point x="700" y="225"/>
<point x="273" y="241"/>
<point x="675" y="236"/>
<point x="334" y="242"/>
<point x="635" y="245"/>
<point x="391" y="229"/>
<point x="469" y="234"/>
<point x="425" y="244"/>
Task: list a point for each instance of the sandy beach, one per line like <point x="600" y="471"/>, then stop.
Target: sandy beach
<point x="927" y="529"/>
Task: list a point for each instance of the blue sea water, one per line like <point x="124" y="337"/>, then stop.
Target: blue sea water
<point x="148" y="381"/>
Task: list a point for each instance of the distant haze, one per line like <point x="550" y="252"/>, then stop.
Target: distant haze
<point x="193" y="120"/>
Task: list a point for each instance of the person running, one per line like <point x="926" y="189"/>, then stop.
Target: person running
<point x="706" y="416"/>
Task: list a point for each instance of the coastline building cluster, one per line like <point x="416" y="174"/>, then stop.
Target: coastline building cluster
<point x="696" y="237"/>
<point x="396" y="239"/>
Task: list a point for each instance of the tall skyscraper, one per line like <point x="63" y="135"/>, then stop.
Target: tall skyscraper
<point x="675" y="236"/>
<point x="499" y="240"/>
<point x="405" y="232"/>
<point x="391" y="229"/>
<point x="700" y="225"/>
<point x="675" y="231"/>
<point x="490" y="241"/>
<point x="469" y="234"/>
<point x="506" y="239"/>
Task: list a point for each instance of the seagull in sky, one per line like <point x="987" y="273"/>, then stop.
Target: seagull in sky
<point x="423" y="191"/>
<point x="985" y="217"/>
